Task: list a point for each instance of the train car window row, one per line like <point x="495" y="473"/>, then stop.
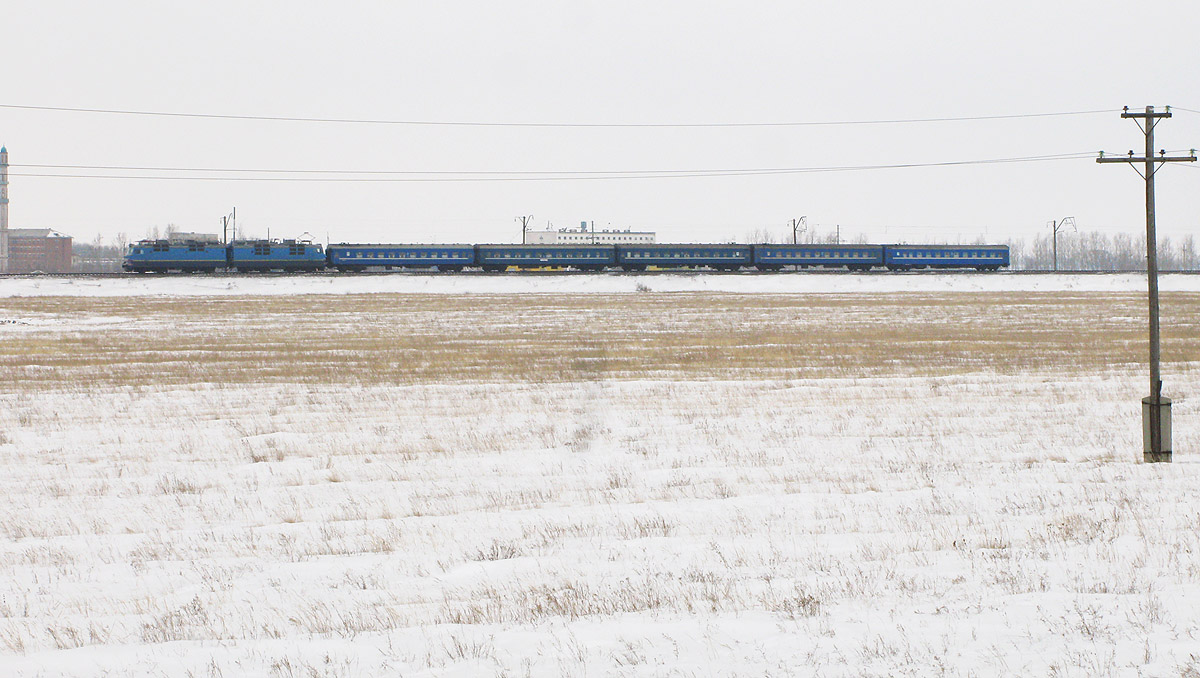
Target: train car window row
<point x="818" y="254"/>
<point x="404" y="255"/>
<point x="683" y="255"/>
<point x="547" y="255"/>
<point x="956" y="254"/>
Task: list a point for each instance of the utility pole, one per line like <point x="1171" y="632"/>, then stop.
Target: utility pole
<point x="1058" y="226"/>
<point x="228" y="221"/>
<point x="798" y="226"/>
<point x="525" y="221"/>
<point x="1156" y="410"/>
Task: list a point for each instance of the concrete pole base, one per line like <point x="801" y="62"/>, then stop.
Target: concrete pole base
<point x="1156" y="429"/>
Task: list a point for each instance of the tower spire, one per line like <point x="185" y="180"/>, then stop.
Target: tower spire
<point x="3" y="209"/>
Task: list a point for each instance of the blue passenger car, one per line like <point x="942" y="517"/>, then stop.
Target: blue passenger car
<point x="276" y="255"/>
<point x="354" y="257"/>
<point x="981" y="257"/>
<point x="160" y="256"/>
<point x="581" y="257"/>
<point x="721" y="257"/>
<point x="852" y="257"/>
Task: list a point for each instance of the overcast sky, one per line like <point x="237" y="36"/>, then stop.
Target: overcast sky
<point x="611" y="62"/>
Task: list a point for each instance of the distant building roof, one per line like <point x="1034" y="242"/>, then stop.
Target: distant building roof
<point x="35" y="233"/>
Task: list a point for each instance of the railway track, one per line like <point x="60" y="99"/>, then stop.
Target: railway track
<point x="537" y="273"/>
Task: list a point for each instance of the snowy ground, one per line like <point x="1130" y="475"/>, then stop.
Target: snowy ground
<point x="176" y="504"/>
<point x="585" y="283"/>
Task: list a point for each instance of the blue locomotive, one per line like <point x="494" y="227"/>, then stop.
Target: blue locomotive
<point x="301" y="255"/>
<point x="196" y="256"/>
<point x="189" y="256"/>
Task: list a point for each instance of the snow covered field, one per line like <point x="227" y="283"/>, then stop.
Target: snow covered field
<point x="285" y="477"/>
<point x="586" y="283"/>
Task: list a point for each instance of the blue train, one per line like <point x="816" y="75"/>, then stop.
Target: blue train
<point x="149" y="256"/>
<point x="194" y="256"/>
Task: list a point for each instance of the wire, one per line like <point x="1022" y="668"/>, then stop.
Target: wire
<point x="538" y="176"/>
<point x="368" y="121"/>
<point x="497" y="172"/>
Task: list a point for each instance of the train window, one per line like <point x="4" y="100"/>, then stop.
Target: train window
<point x="262" y="249"/>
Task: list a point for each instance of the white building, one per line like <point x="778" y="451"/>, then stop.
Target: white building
<point x="184" y="236"/>
<point x="571" y="236"/>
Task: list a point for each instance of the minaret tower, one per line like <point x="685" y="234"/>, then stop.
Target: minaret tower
<point x="3" y="210"/>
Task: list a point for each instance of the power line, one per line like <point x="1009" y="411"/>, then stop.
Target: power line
<point x="133" y="168"/>
<point x="529" y="176"/>
<point x="477" y="123"/>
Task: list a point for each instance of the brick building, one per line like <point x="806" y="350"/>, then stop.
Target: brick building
<point x="38" y="249"/>
<point x="26" y="250"/>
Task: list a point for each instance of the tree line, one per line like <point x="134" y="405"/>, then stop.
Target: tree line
<point x="1092" y="251"/>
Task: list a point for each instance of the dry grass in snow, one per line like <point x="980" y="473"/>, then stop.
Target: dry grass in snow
<point x="633" y="485"/>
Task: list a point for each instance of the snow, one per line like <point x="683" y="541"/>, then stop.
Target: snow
<point x="984" y="522"/>
<point x="584" y="283"/>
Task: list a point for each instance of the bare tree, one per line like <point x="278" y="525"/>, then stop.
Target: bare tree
<point x="1094" y="251"/>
